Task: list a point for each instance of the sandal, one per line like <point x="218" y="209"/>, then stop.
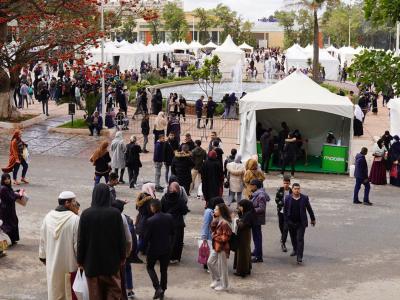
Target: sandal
<point x="24" y="180"/>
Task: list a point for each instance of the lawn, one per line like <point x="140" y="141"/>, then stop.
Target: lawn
<point x="79" y="123"/>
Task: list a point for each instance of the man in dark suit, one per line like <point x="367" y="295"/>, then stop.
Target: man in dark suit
<point x="158" y="237"/>
<point x="295" y="213"/>
<point x="361" y="175"/>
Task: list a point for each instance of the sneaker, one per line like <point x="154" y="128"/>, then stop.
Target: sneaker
<point x="283" y="247"/>
<point x="299" y="261"/>
<point x="257" y="260"/>
<point x="219" y="288"/>
<point x="137" y="260"/>
<point x="214" y="284"/>
<point x="145" y="151"/>
<point x="131" y="295"/>
<point x="368" y="203"/>
<point x="293" y="253"/>
<point x="357" y="202"/>
<point x="173" y="262"/>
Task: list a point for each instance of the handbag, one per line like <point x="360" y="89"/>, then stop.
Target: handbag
<point x="233" y="242"/>
<point x="204" y="253"/>
<point x="80" y="286"/>
<point x="25" y="154"/>
<point x="394" y="171"/>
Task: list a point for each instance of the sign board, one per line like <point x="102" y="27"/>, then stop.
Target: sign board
<point x="334" y="158"/>
<point x="71" y="108"/>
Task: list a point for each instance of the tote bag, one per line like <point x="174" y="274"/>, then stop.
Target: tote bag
<point x="80" y="286"/>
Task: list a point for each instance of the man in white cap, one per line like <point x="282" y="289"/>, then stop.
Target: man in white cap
<point x="58" y="243"/>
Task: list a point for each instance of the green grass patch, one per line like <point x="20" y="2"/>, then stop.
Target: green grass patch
<point x="78" y="124"/>
<point x="22" y="118"/>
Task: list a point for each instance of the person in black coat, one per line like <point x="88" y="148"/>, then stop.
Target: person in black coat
<point x="101" y="245"/>
<point x="173" y="204"/>
<point x="181" y="167"/>
<point x="289" y="154"/>
<point x="145" y="125"/>
<point x="158" y="237"/>
<point x="171" y="145"/>
<point x="133" y="163"/>
<point x="211" y="174"/>
<point x="282" y="192"/>
<point x="295" y="210"/>
<point x="156" y="102"/>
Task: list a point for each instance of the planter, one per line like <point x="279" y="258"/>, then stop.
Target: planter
<point x="79" y="131"/>
<point x="23" y="124"/>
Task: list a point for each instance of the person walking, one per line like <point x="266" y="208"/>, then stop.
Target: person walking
<point x="171" y="145"/>
<point x="172" y="203"/>
<point x="295" y="210"/>
<point x="199" y="155"/>
<point x="361" y="176"/>
<point x="267" y="146"/>
<point x="235" y="172"/>
<point x="289" y="153"/>
<point x="175" y="127"/>
<point x="102" y="245"/>
<point x="259" y="198"/>
<point x="145" y="125"/>
<point x="158" y="237"/>
<point x="17" y="157"/>
<point x="132" y="161"/>
<point x="377" y="174"/>
<point x="8" y="213"/>
<point x="207" y="219"/>
<point x="44" y="96"/>
<point x="242" y="261"/>
<point x="394" y="162"/>
<point x="252" y="172"/>
<point x="182" y="108"/>
<point x="210" y="107"/>
<point x="159" y="159"/>
<point x="284" y="191"/>
<point x="101" y="159"/>
<point x="118" y="150"/>
<point x="143" y="200"/>
<point x="58" y="243"/>
<point x="160" y="125"/>
<point x="181" y="167"/>
<point x="221" y="230"/>
<point x="211" y="174"/>
<point x="199" y="110"/>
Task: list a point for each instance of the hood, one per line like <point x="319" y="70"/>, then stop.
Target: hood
<point x="234" y="167"/>
<point x="58" y="220"/>
<point x="172" y="199"/>
<point x="142" y="199"/>
<point x="101" y="196"/>
<point x="179" y="154"/>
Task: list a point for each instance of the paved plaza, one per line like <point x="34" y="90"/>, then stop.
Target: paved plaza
<point x="352" y="253"/>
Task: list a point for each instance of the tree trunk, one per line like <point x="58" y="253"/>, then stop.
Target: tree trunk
<point x="316" y="71"/>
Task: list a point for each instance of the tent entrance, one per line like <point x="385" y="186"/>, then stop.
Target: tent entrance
<point x="312" y="165"/>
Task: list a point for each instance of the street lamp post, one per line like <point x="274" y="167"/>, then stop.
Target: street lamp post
<point x="398" y="38"/>
<point x="103" y="83"/>
<point x="350" y="24"/>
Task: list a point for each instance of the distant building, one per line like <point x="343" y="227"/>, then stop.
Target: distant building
<point x="268" y="34"/>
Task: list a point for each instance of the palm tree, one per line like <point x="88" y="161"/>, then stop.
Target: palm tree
<point x="315" y="6"/>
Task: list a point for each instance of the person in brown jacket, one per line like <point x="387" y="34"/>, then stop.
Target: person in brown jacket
<point x="252" y="172"/>
<point x="221" y="228"/>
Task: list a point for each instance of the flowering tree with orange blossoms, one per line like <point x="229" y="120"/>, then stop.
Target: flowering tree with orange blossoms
<point x="46" y="30"/>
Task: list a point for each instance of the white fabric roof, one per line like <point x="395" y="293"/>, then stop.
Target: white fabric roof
<point x="228" y="47"/>
<point x="300" y="92"/>
<point x="296" y="52"/>
<point x="210" y="45"/>
<point x="195" y="45"/>
<point x="246" y="46"/>
<point x="332" y="49"/>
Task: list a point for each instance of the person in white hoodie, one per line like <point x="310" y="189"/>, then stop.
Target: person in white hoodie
<point x="58" y="244"/>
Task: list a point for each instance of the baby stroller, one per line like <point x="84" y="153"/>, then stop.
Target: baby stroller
<point x="122" y="121"/>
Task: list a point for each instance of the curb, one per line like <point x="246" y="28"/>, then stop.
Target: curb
<point x="78" y="131"/>
<point x="23" y="124"/>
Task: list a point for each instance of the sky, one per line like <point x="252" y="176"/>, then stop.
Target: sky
<point x="249" y="9"/>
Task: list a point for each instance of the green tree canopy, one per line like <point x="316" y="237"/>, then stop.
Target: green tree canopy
<point x="287" y="19"/>
<point x="205" y="21"/>
<point x="175" y="21"/>
<point x="207" y="75"/>
<point x="382" y="11"/>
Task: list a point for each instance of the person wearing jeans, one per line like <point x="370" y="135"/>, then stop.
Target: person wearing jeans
<point x="361" y="175"/>
<point x="281" y="194"/>
<point x="24" y="170"/>
<point x="259" y="198"/>
<point x="235" y="171"/>
<point x="158" y="160"/>
<point x="44" y="97"/>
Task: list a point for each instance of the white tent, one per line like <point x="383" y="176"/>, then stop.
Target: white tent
<point x="346" y="55"/>
<point x="295" y="57"/>
<point x="230" y="55"/>
<point x="304" y="105"/>
<point x="394" y="106"/>
<point x="333" y="51"/>
<point x="210" y="45"/>
<point x="195" y="45"/>
<point x="330" y="64"/>
<point x="246" y="47"/>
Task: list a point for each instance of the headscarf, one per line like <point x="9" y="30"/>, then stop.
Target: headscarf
<point x="149" y="188"/>
<point x="160" y="122"/>
<point x="358" y="113"/>
<point x="16" y="134"/>
<point x="5" y="176"/>
<point x="99" y="152"/>
<point x="212" y="154"/>
<point x="101" y="196"/>
<point x="118" y="135"/>
<point x="238" y="158"/>
<point x="118" y="139"/>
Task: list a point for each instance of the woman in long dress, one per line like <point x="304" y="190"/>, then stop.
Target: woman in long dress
<point x="377" y="175"/>
<point x="118" y="150"/>
<point x="358" y="121"/>
<point x="394" y="159"/>
<point x="242" y="261"/>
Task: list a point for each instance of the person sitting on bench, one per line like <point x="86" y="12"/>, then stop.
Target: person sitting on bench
<point x="95" y="121"/>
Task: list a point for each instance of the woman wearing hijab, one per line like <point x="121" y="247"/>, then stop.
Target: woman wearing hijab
<point x="173" y="204"/>
<point x="17" y="158"/>
<point x="358" y="121"/>
<point x="242" y="261"/>
<point x="118" y="150"/>
<point x="7" y="208"/>
<point x="143" y="207"/>
<point x="253" y="172"/>
<point x="207" y="219"/>
<point x="102" y="245"/>
<point x="101" y="159"/>
<point x="377" y="174"/>
<point x="211" y="174"/>
<point x="236" y="171"/>
<point x="160" y="125"/>
<point x="394" y="159"/>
